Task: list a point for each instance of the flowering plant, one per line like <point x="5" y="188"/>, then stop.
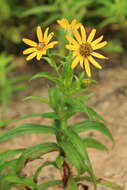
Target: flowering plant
<point x="66" y="98"/>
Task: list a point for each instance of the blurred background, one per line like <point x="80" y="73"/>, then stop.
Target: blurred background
<point x="19" y="19"/>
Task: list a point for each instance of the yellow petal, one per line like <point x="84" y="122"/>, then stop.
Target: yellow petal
<point x="49" y="37"/>
<point x="51" y="45"/>
<point x="87" y="67"/>
<point x="95" y="63"/>
<point x="83" y="33"/>
<point x="72" y="40"/>
<point x="46" y="34"/>
<point x="93" y="43"/>
<point x="75" y="53"/>
<point x="71" y="47"/>
<point x="29" y="42"/>
<point x="81" y="61"/>
<point x="75" y="62"/>
<point x="91" y="36"/>
<point x="59" y="22"/>
<point x="63" y="23"/>
<point x="31" y="56"/>
<point x="29" y="50"/>
<point x="100" y="45"/>
<point x="98" y="55"/>
<point x="39" y="54"/>
<point x="77" y="26"/>
<point x="39" y="34"/>
<point x="73" y="22"/>
<point x="77" y="36"/>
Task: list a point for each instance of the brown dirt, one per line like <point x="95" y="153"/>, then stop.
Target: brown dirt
<point x="109" y="100"/>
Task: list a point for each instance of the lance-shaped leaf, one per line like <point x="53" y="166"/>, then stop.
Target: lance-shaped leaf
<point x="27" y="128"/>
<point x="93" y="143"/>
<point x="51" y="62"/>
<point x="102" y="182"/>
<point x="91" y="113"/>
<point x="71" y="184"/>
<point x="39" y="99"/>
<point x="40" y="9"/>
<point x="46" y="115"/>
<point x="92" y="125"/>
<point x="35" y="152"/>
<point x="9" y="153"/>
<point x="78" y="143"/>
<point x="9" y="165"/>
<point x="18" y="180"/>
<point x="45" y="75"/>
<point x="49" y="184"/>
<point x="79" y="106"/>
<point x="73" y="156"/>
<point x="39" y="169"/>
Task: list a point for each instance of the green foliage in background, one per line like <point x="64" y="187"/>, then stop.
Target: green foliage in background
<point x="8" y="85"/>
<point x="112" y="12"/>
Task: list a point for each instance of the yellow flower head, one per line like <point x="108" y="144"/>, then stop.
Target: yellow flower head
<point x="66" y="26"/>
<point x="84" y="49"/>
<point x="38" y="49"/>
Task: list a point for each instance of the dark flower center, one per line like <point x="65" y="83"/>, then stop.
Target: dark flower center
<point x="40" y="46"/>
<point x="85" y="49"/>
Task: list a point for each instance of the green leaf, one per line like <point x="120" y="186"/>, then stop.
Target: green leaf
<point x="9" y="165"/>
<point x="92" y="125"/>
<point x="78" y="144"/>
<point x="39" y="169"/>
<point x="51" y="115"/>
<point x="101" y="182"/>
<point x="50" y="62"/>
<point x="56" y="99"/>
<point x="39" y="10"/>
<point x="93" y="143"/>
<point x="81" y="149"/>
<point x="73" y="156"/>
<point x="110" y="184"/>
<point x="49" y="184"/>
<point x="45" y="75"/>
<point x="79" y="106"/>
<point x="47" y="115"/>
<point x="27" y="128"/>
<point x="72" y="184"/>
<point x="9" y="153"/>
<point x="90" y="112"/>
<point x="18" y="180"/>
<point x="40" y="99"/>
<point x="18" y="87"/>
<point x="35" y="152"/>
<point x="59" y="161"/>
<point x="85" y="97"/>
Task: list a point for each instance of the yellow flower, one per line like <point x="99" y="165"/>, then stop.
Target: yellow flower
<point x="38" y="49"/>
<point x="66" y="26"/>
<point x="84" y="49"/>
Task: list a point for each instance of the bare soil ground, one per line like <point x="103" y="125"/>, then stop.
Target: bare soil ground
<point x="110" y="100"/>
